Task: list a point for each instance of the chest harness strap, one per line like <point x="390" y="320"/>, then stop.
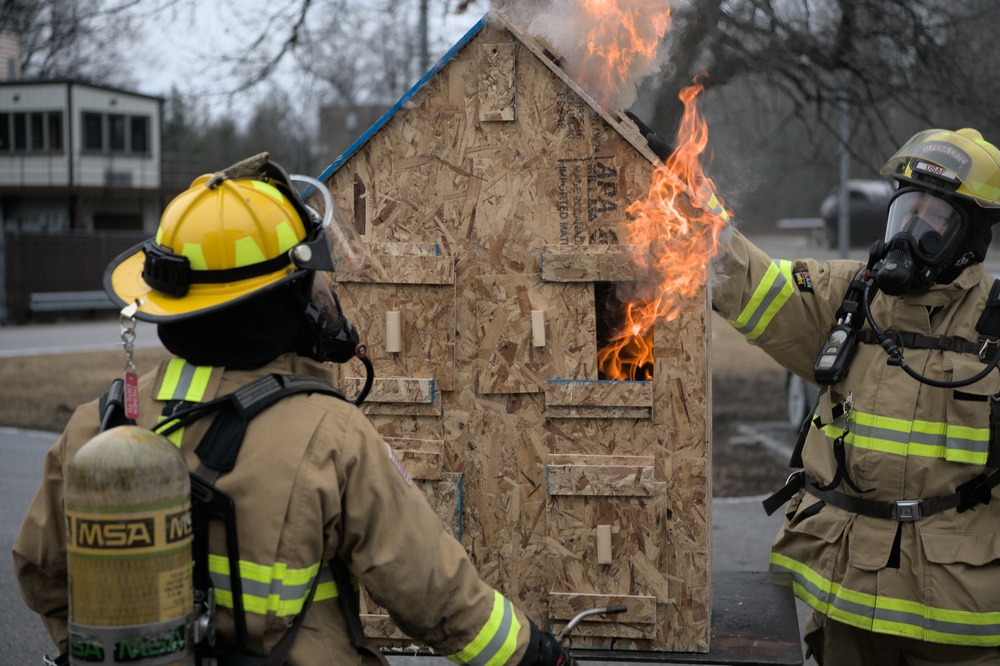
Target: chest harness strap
<point x="977" y="490"/>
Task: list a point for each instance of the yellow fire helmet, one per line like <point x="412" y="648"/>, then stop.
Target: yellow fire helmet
<point x="228" y="236"/>
<point x="960" y="163"/>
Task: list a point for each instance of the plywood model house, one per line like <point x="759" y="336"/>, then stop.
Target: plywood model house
<point x="491" y="200"/>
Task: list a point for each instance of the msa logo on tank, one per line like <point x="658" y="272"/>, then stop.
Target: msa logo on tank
<point x="148" y="531"/>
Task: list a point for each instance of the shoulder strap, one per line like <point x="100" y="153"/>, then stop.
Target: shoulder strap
<point x="349" y="606"/>
<point x="112" y="406"/>
<point x="220" y="446"/>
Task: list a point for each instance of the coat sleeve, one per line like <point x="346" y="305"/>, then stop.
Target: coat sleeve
<point x="396" y="545"/>
<point x="785" y="307"/>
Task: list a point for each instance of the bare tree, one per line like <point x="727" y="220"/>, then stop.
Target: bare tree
<point x="895" y="62"/>
<point x="72" y="39"/>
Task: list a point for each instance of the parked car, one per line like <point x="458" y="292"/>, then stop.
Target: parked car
<point x="801" y="397"/>
<point x="869" y="202"/>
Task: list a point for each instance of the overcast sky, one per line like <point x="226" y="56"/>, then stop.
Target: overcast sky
<point x="182" y="48"/>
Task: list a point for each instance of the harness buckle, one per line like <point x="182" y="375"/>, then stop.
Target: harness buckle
<point x="987" y="343"/>
<point x="908" y="511"/>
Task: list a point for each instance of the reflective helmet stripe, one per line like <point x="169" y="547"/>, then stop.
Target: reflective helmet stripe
<point x="771" y="294"/>
<point x="271" y="589"/>
<point x="496" y="641"/>
<point x="248" y="252"/>
<point x="886" y="615"/>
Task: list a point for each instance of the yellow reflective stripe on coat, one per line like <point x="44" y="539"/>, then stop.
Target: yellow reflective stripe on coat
<point x="496" y="641"/>
<point x="926" y="439"/>
<point x="770" y="295"/>
<point x="271" y="589"/>
<point x="183" y="381"/>
<point x="885" y="615"/>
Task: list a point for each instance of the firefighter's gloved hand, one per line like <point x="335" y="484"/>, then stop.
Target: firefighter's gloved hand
<point x="545" y="650"/>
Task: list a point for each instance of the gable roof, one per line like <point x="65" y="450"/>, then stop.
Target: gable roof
<point x="545" y="53"/>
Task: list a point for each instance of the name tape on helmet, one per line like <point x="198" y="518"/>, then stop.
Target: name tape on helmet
<point x="935" y="170"/>
<point x="952" y="159"/>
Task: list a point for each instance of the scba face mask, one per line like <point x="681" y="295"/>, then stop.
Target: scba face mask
<point x="923" y="238"/>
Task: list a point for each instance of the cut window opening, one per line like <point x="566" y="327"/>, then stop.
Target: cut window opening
<point x="621" y="354"/>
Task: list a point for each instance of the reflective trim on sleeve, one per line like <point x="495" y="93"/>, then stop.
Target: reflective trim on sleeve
<point x="496" y="641"/>
<point x="886" y="615"/>
<point x="770" y="295"/>
<point x="275" y="589"/>
<point x="926" y="439"/>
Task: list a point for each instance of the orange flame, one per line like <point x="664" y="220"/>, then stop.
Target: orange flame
<point x="675" y="231"/>
<point x="620" y="46"/>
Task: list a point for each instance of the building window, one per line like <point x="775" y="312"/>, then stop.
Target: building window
<point x="55" y="131"/>
<point x="93" y="131"/>
<point x="115" y="133"/>
<point x="20" y="132"/>
<point x="140" y="134"/>
<point x="35" y="132"/>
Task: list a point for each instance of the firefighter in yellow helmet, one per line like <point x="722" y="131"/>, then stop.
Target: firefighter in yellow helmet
<point x="890" y="534"/>
<point x="236" y="281"/>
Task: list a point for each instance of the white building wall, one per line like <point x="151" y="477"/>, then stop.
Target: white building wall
<point x="91" y="170"/>
<point x="94" y="169"/>
<point x="27" y="169"/>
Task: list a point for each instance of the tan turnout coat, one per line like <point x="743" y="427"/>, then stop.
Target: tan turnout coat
<point x="904" y="440"/>
<point x="313" y="480"/>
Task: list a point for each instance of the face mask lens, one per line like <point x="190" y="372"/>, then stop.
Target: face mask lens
<point x="930" y="221"/>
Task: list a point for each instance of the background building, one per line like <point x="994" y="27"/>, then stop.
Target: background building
<point x="80" y="181"/>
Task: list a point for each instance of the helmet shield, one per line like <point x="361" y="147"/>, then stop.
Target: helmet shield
<point x="961" y="162"/>
<point x="934" y="225"/>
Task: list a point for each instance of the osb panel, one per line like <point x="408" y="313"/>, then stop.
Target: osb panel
<point x="640" y="609"/>
<point x="391" y="263"/>
<point x="559" y="392"/>
<point x="638" y="560"/>
<point x="423" y="458"/>
<point x="496" y="82"/>
<point x="427" y="315"/>
<point x="401" y="390"/>
<point x="588" y="263"/>
<point x="495" y="196"/>
<point x="609" y="476"/>
<point x="508" y="361"/>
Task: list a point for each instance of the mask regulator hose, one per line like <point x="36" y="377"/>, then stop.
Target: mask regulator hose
<point x="896" y="354"/>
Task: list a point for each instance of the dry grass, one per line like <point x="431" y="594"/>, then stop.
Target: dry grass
<point x="42" y="391"/>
